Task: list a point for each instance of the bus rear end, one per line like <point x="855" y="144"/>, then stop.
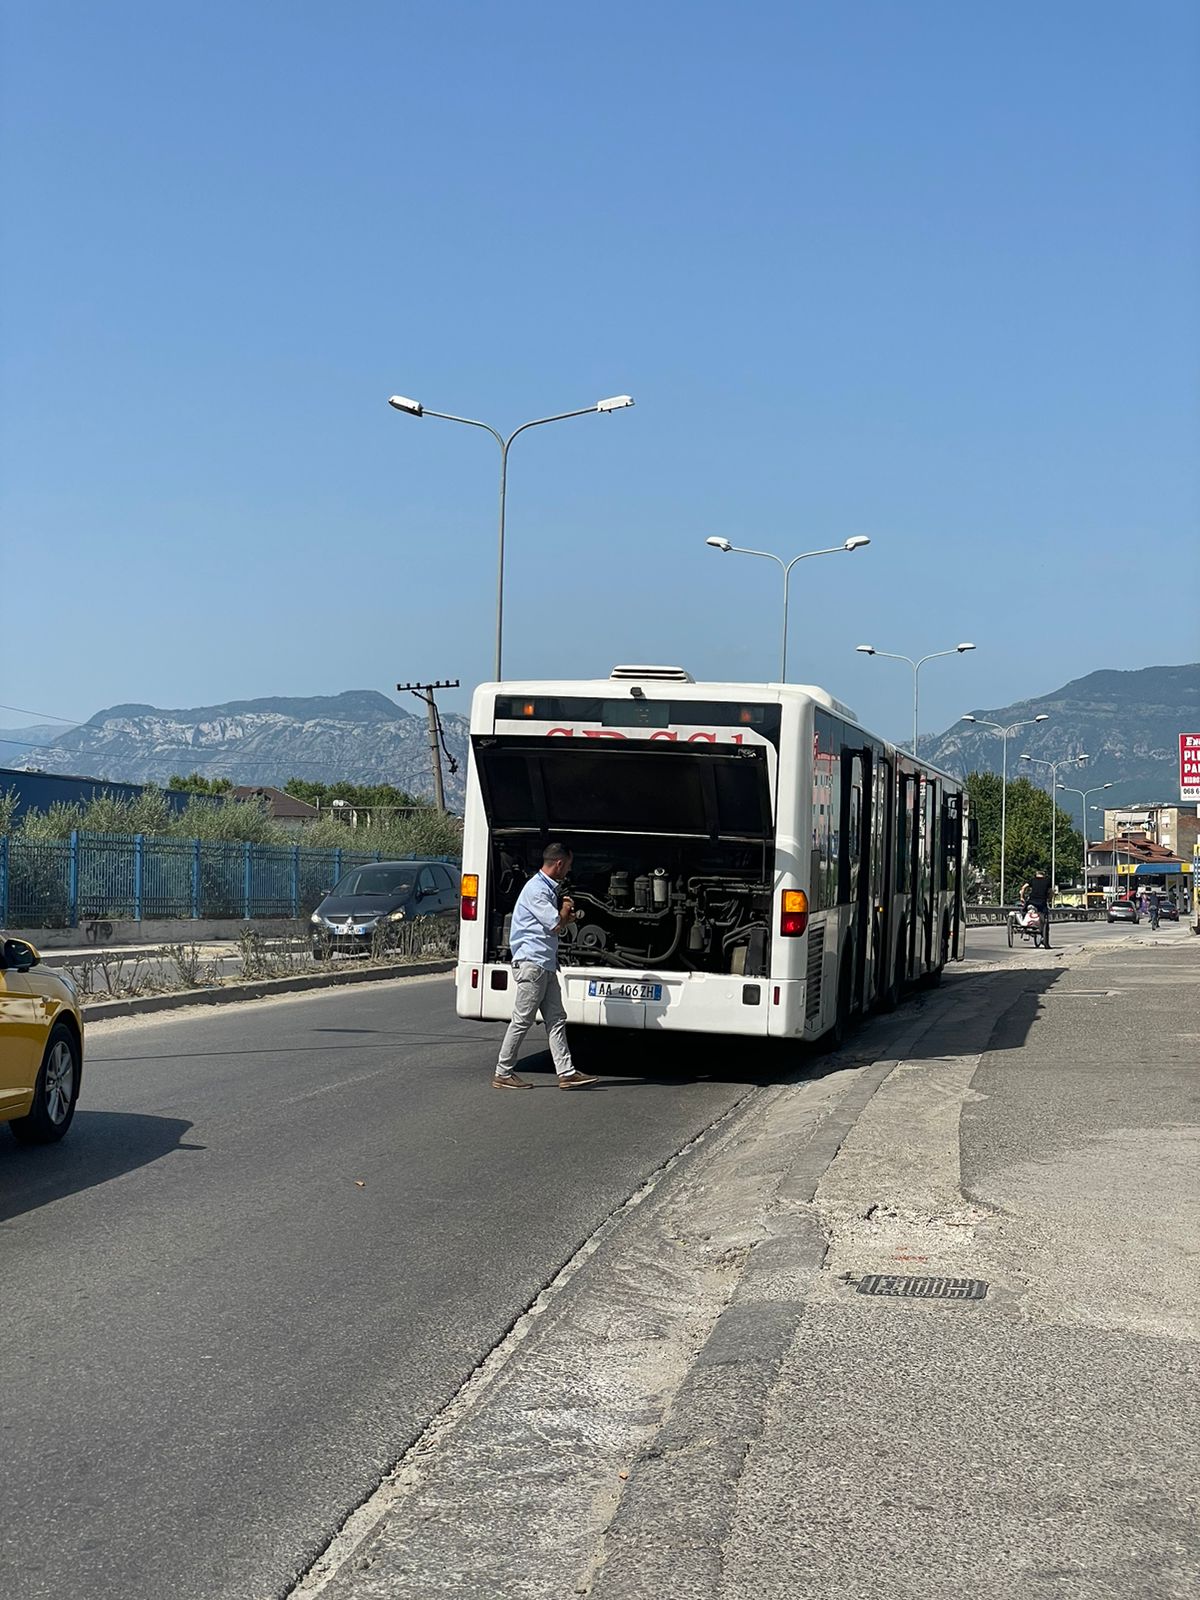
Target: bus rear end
<point x="665" y="793"/>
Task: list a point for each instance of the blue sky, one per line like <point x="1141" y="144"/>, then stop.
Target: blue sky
<point x="922" y="271"/>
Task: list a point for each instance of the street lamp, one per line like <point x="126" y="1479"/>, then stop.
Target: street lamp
<point x="870" y="650"/>
<point x="855" y="543"/>
<point x="997" y="727"/>
<point x="1063" y="761"/>
<point x="1083" y="800"/>
<point x="414" y="408"/>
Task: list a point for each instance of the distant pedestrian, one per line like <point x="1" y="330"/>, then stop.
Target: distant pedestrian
<point x="537" y="921"/>
<point x="1143" y="904"/>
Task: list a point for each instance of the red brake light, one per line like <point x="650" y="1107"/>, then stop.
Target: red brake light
<point x="470" y="897"/>
<point x="793" y="913"/>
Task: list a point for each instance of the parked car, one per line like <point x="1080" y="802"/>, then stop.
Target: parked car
<point x="1168" y="912"/>
<point x="41" y="1045"/>
<point x="1124" y="910"/>
<point x="369" y="904"/>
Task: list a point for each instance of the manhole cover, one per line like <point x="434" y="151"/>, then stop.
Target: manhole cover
<point x="903" y="1288"/>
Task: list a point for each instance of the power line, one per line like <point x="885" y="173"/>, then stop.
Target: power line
<point x="24" y="711"/>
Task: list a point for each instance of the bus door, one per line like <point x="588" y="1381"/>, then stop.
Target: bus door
<point x="915" y="795"/>
<point x="878" y="830"/>
<point x="853" y="875"/>
<point x="933" y="842"/>
<point x="952" y="843"/>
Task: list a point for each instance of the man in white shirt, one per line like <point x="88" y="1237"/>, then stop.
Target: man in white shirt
<point x="537" y="921"/>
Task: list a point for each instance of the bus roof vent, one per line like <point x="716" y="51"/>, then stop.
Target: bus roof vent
<point x="646" y="674"/>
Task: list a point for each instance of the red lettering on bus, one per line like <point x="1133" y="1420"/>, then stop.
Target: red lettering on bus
<point x="702" y="738"/>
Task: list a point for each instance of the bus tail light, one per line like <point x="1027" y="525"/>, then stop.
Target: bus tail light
<point x="793" y="913"/>
<point x="470" y="896"/>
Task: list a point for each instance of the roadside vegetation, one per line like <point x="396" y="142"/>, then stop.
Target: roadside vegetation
<point x="207" y="817"/>
<point x="174" y="968"/>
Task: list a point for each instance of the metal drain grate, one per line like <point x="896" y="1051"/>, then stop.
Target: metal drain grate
<point x="903" y="1288"/>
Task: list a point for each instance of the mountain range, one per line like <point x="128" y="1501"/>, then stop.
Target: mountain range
<point x="1127" y="722"/>
<point x="360" y="735"/>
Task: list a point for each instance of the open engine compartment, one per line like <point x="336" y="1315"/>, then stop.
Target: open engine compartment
<point x="673" y="847"/>
<point x="681" y="905"/>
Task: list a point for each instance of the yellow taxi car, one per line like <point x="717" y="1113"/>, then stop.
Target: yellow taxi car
<point x="41" y="1045"/>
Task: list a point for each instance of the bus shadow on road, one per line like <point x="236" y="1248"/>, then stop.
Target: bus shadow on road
<point x="1001" y="1009"/>
<point x="101" y="1145"/>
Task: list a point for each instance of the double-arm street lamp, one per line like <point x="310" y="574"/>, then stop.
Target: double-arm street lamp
<point x="998" y="727"/>
<point x="870" y="650"/>
<point x="836" y="549"/>
<point x="414" y="408"/>
<point x="1063" y="761"/>
<point x="1083" y="800"/>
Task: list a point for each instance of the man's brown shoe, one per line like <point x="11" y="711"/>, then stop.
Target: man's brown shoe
<point x="509" y="1080"/>
<point x="575" y="1080"/>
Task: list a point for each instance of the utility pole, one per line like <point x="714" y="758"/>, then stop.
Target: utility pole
<point x="424" y="691"/>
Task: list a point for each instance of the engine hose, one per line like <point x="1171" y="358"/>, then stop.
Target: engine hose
<point x="633" y="959"/>
<point x="583" y="898"/>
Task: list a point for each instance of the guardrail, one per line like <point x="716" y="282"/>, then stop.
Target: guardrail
<point x="997" y="916"/>
<point x="59" y="883"/>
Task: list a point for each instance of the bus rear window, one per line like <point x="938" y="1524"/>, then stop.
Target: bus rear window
<point x="702" y="791"/>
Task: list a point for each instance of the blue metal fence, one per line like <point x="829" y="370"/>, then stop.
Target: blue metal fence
<point x="59" y="883"/>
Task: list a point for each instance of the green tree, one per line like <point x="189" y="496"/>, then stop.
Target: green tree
<point x="1027" y="834"/>
<point x="354" y="794"/>
<point x="197" y="783"/>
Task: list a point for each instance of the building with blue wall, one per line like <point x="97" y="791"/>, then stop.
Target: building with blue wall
<point x="38" y="791"/>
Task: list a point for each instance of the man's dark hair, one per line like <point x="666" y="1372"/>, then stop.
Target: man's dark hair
<point x="555" y="852"/>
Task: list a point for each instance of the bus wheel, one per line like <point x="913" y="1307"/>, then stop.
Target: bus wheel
<point x="891" y="995"/>
<point x="836" y="1036"/>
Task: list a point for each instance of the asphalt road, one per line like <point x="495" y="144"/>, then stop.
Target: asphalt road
<point x="276" y="1242"/>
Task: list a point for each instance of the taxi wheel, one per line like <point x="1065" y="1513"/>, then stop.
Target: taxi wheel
<point x="55" y="1093"/>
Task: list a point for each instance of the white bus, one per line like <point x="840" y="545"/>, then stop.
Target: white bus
<point x="747" y="859"/>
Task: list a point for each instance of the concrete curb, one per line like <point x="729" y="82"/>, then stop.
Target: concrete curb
<point x="260" y="989"/>
<point x="76" y="954"/>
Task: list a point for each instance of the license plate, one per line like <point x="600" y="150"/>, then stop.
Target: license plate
<point x="601" y="990"/>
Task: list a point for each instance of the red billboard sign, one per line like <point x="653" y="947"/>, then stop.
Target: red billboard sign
<point x="1189" y="766"/>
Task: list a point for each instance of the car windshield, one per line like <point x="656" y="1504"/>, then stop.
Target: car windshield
<point x="381" y="879"/>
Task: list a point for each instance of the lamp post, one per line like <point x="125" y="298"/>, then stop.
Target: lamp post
<point x="998" y="727"/>
<point x="1083" y="800"/>
<point x="1063" y="761"/>
<point x="856" y="543"/>
<point x="414" y="408"/>
<point x="870" y="650"/>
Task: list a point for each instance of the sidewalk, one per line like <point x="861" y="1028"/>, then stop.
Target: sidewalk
<point x="707" y="1407"/>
